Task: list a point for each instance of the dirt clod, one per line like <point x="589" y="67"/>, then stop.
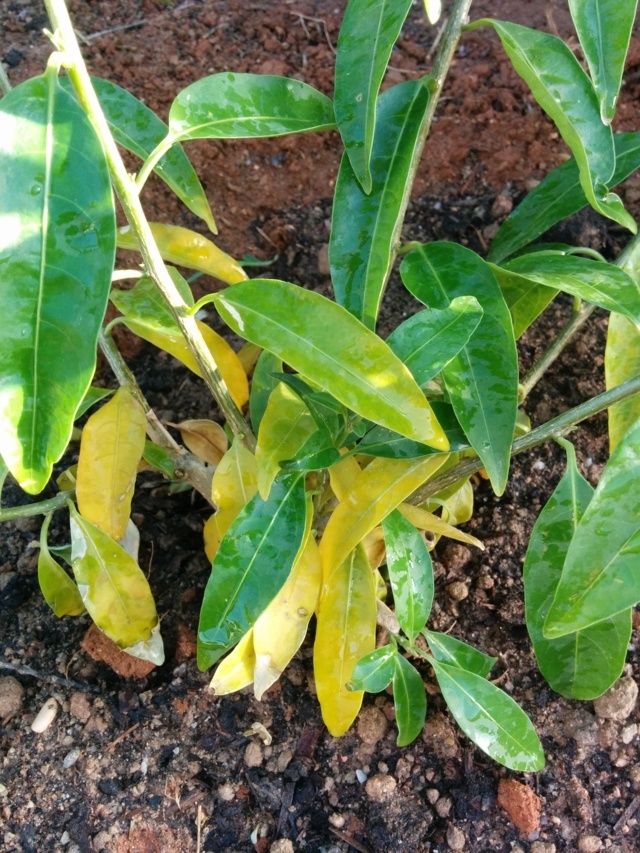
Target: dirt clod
<point x="458" y="590"/>
<point x="80" y="707"/>
<point x="372" y="724"/>
<point x="11" y="698"/>
<point x="282" y="845"/>
<point x="619" y="701"/>
<point x="253" y="755"/>
<point x="98" y="646"/>
<point x="521" y="804"/>
<point x="381" y="787"/>
<point x="456" y="838"/>
<point x="589" y="844"/>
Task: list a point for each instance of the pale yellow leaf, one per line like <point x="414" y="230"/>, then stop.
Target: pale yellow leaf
<point x="236" y="670"/>
<point x="424" y="520"/>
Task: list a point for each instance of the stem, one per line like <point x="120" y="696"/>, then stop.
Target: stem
<point x="152" y="161"/>
<point x="37" y="508"/>
<point x="128" y="195"/>
<point x="552" y="429"/>
<point x="5" y="83"/>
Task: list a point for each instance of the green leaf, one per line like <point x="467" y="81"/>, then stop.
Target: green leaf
<point x="262" y="384"/>
<point x="253" y="561"/>
<point x="482" y="380"/>
<point x="410" y="700"/>
<point x="490" y="718"/>
<point x="328" y="414"/>
<point x="369" y="30"/>
<point x="525" y="300"/>
<point x="621" y="362"/>
<point x="240" y="106"/>
<point x="93" y="396"/>
<point x="316" y="453"/>
<point x="600" y="576"/>
<point x="332" y="349"/>
<point x="603" y="284"/>
<point x="385" y="443"/>
<point x="410" y="573"/>
<point x="585" y="664"/>
<point x="448" y="649"/>
<point x="365" y="227"/>
<point x="59" y="591"/>
<point x="158" y="458"/>
<point x="427" y="341"/>
<point x="139" y="130"/>
<point x="557" y="196"/>
<point x="566" y="94"/>
<point x="374" y="672"/>
<point x="57" y="245"/>
<point x="604" y="30"/>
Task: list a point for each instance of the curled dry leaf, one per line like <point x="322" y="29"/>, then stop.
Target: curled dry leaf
<point x="205" y="438"/>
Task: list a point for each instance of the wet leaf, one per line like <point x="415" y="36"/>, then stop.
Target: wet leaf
<point x="329" y="415"/>
<point x="424" y="520"/>
<point x="366" y="221"/>
<point x="525" y="300"/>
<point x="315" y="454"/>
<point x="621" y="362"/>
<point x="374" y="672"/>
<point x="158" y="458"/>
<point x="59" y="590"/>
<point x="112" y="444"/>
<point x="57" y="245"/>
<point x="236" y="670"/>
<point x="490" y="718"/>
<point x="252" y="563"/>
<point x="585" y="664"/>
<point x="458" y="507"/>
<point x="409" y="699"/>
<point x="330" y="348"/>
<point x="345" y="632"/>
<point x="448" y="649"/>
<point x="391" y="445"/>
<point x="205" y="438"/>
<point x="482" y="380"/>
<point x="263" y="383"/>
<point x="410" y="573"/>
<point x="234" y="483"/>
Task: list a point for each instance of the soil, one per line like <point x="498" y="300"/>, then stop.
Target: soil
<point x="156" y="764"/>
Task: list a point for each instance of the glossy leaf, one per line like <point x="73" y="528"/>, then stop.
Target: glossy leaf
<point x="57" y="245"/>
<point x="458" y="507"/>
<point x="329" y="347"/>
<point x="280" y="630"/>
<point x="557" y="196"/>
<point x="410" y="573"/>
<point x="207" y="439"/>
<point x="482" y="380"/>
<point x="409" y="699"/>
<point x="391" y="445"/>
<point x="424" y="520"/>
<point x="234" y="483"/>
<point x="566" y="94"/>
<point x="343" y="475"/>
<point x="374" y="672"/>
<point x="59" y="590"/>
<point x="366" y="221"/>
<point x="186" y="248"/>
<point x="597" y="282"/>
<point x="263" y="383"/>
<point x="448" y="649"/>
<point x="380" y="487"/>
<point x="285" y="427"/>
<point x="111" y="448"/>
<point x="600" y="576"/>
<point x="158" y="458"/>
<point x="345" y="632"/>
<point x="240" y="106"/>
<point x="585" y="664"/>
<point x="433" y="9"/>
<point x="328" y="414"/>
<point x="490" y="718"/>
<point x="604" y="30"/>
<point x="236" y="671"/>
<point x="369" y="30"/>
<point x="252" y="563"/>
<point x="621" y="362"/>
<point x="138" y="129"/>
<point x="427" y="341"/>
<point x="316" y="453"/>
<point x="94" y="395"/>
<point x="112" y="585"/>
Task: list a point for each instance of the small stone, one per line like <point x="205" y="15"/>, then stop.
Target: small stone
<point x="433" y="795"/>
<point x="520" y="803"/>
<point x="45" y="716"/>
<point x="337" y="820"/>
<point x="589" y="844"/>
<point x="282" y="845"/>
<point x="628" y="733"/>
<point x="372" y="724"/>
<point x="226" y="792"/>
<point x="253" y="756"/>
<point x="65" y="838"/>
<point x="455" y="838"/>
<point x="11" y="698"/>
<point x="380" y="788"/>
<point x="323" y="260"/>
<point x="70" y="758"/>
<point x="458" y="590"/>
<point x="443" y="806"/>
<point x="543" y="847"/>
<point x="101" y="841"/>
<point x="361" y="776"/>
<point x="619" y="701"/>
<point x="284" y="760"/>
<point x="502" y="206"/>
<point x="80" y="707"/>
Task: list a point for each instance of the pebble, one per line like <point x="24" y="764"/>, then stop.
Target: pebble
<point x="380" y="788"/>
<point x="282" y="845"/>
<point x="337" y="820"/>
<point x="361" y="776"/>
<point x="433" y="795"/>
<point x="618" y="702"/>
<point x="456" y="838"/>
<point x="226" y="792"/>
<point x="628" y="733"/>
<point x="45" y="716"/>
<point x="589" y="844"/>
<point x="11" y="697"/>
<point x="253" y="755"/>
<point x="80" y="707"/>
<point x="70" y="758"/>
<point x="372" y="724"/>
<point x="458" y="591"/>
<point x="443" y="806"/>
<point x="543" y="847"/>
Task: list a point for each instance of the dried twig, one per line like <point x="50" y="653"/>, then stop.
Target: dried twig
<point x="121" y="737"/>
<point x="349" y="840"/>
<point x="20" y="669"/>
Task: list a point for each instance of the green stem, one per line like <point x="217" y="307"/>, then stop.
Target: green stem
<point x="128" y="195"/>
<point x="37" y="508"/>
<point x="5" y="83"/>
<point x="152" y="161"/>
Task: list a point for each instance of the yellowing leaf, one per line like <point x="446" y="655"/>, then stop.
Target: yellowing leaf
<point x="621" y="362"/>
<point x="203" y="437"/>
<point x="373" y="544"/>
<point x="280" y="630"/>
<point x="458" y="507"/>
<point x="59" y="591"/>
<point x="249" y="355"/>
<point x="186" y="248"/>
<point x="346" y="631"/>
<point x="343" y="476"/>
<point x="378" y="490"/>
<point x="111" y="447"/>
<point x="424" y="520"/>
<point x="236" y="670"/>
<point x="212" y="536"/>
<point x="235" y="482"/>
<point x="284" y="428"/>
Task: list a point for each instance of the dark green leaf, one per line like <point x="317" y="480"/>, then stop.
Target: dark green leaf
<point x="410" y="700"/>
<point x="448" y="649"/>
<point x="253" y="562"/>
<point x="328" y="415"/>
<point x="158" y="458"/>
<point x="410" y="573"/>
<point x="391" y="445"/>
<point x="262" y="384"/>
<point x="427" y="341"/>
<point x="316" y="453"/>
<point x="374" y="672"/>
<point x="600" y="576"/>
<point x="369" y="30"/>
<point x="93" y="396"/>
<point x="57" y="247"/>
<point x="482" y="380"/>
<point x="490" y="718"/>
<point x="365" y="227"/>
<point x="239" y="106"/>
<point x="585" y="664"/>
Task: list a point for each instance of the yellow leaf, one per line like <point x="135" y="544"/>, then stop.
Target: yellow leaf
<point x="59" y="590"/>
<point x="458" y="507"/>
<point x="249" y="354"/>
<point x="373" y="544"/>
<point x="621" y="362"/>
<point x="236" y="670"/>
<point x="377" y="491"/>
<point x="203" y="437"/>
<point x="212" y="537"/>
<point x="424" y="520"/>
<point x="111" y="447"/>
<point x="235" y="482"/>
<point x="280" y="630"/>
<point x="186" y="248"/>
<point x="343" y="476"/>
<point x="346" y="631"/>
<point x="284" y="428"/>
